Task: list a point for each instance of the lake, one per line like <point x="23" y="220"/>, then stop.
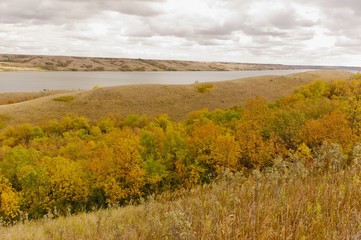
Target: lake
<point x="37" y="81"/>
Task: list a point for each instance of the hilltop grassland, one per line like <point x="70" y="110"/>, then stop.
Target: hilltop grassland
<point x="177" y="101"/>
<point x="10" y="62"/>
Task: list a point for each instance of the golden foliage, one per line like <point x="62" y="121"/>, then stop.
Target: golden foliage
<point x="332" y="128"/>
<point x="75" y="165"/>
<point x="9" y="200"/>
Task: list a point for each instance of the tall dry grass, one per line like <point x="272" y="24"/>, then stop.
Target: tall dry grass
<point x="293" y="204"/>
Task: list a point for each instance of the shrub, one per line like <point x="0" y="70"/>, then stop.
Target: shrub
<point x="330" y="157"/>
<point x="64" y="99"/>
<point x="3" y="120"/>
<point x="205" y="87"/>
<point x="97" y="87"/>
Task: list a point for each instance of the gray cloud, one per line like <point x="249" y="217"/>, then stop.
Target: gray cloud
<point x="60" y="11"/>
<point x="290" y="31"/>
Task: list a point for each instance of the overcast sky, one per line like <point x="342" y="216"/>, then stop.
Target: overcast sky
<point x="323" y="32"/>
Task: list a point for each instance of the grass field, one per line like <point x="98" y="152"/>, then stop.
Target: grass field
<point x="175" y="100"/>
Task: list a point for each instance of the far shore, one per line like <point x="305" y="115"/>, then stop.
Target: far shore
<point x="12" y="62"/>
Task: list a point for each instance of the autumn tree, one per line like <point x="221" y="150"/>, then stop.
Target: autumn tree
<point x="257" y="142"/>
<point x="116" y="167"/>
<point x="9" y="201"/>
<point x="332" y="128"/>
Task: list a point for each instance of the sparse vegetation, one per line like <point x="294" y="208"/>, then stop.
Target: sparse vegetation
<point x="217" y="67"/>
<point x="125" y="68"/>
<point x="99" y="69"/>
<point x="159" y="66"/>
<point x="140" y="69"/>
<point x="47" y="67"/>
<point x="64" y="64"/>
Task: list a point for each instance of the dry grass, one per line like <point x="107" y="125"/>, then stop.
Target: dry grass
<point x="175" y="100"/>
<point x="271" y="206"/>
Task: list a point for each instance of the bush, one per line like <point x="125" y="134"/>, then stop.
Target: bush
<point x="97" y="87"/>
<point x="205" y="88"/>
<point x="330" y="157"/>
<point x="64" y="99"/>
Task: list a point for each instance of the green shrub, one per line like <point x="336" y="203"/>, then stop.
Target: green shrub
<point x="64" y="99"/>
<point x="97" y="87"/>
<point x="205" y="87"/>
<point x="3" y="120"/>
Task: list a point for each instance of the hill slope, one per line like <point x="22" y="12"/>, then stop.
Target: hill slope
<point x="175" y="100"/>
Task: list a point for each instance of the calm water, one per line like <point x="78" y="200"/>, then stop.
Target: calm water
<point x="36" y="81"/>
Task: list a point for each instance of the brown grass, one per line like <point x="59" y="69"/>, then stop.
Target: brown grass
<point x="270" y="206"/>
<point x="175" y="100"/>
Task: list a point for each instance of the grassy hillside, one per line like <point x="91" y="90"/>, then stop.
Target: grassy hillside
<point x="288" y="204"/>
<point x="175" y="100"/>
<point x="62" y="63"/>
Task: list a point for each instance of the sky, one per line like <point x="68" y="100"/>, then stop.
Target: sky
<point x="304" y="32"/>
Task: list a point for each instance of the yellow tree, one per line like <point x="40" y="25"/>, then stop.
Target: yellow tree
<point x="67" y="184"/>
<point x="225" y="153"/>
<point x="116" y="167"/>
<point x="257" y="143"/>
<point x="332" y="128"/>
<point x="9" y="200"/>
<point x="349" y="93"/>
<point x="201" y="143"/>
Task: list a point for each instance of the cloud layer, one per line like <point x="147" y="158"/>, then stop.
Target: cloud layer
<point x="324" y="32"/>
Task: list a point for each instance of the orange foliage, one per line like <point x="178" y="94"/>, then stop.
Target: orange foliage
<point x="332" y="128"/>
